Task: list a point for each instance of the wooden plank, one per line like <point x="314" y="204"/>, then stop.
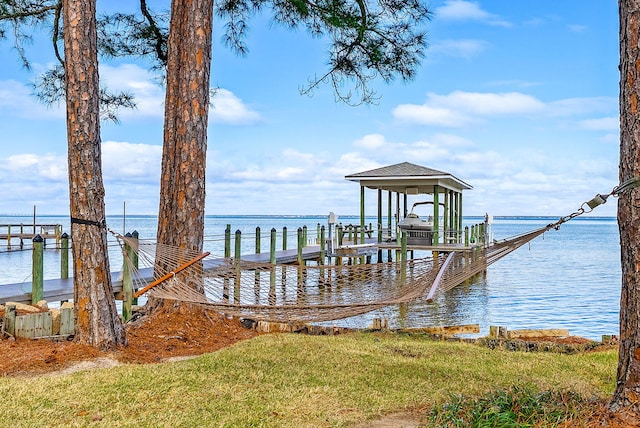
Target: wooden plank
<point x="532" y="334"/>
<point x="444" y="330"/>
<point x="67" y="325"/>
<point x="32" y="326"/>
<point x="9" y="324"/>
<point x="25" y="326"/>
<point x="43" y="324"/>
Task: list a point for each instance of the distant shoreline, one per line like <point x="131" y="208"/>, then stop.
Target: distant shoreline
<point x="319" y="216"/>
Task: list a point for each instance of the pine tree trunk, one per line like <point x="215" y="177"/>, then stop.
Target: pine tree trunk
<point x="96" y="321"/>
<point x="628" y="379"/>
<point x="182" y="187"/>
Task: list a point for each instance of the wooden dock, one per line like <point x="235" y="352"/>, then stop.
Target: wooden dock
<point x="26" y="232"/>
<point x="56" y="290"/>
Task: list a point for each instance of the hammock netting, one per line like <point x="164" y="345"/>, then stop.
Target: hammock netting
<point x="313" y="293"/>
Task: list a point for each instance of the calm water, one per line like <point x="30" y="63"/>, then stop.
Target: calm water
<point x="568" y="278"/>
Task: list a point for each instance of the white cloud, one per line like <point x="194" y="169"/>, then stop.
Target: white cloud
<point x="228" y="108"/>
<point x="581" y="106"/>
<point x="17" y="100"/>
<point x="459" y="108"/>
<point x="601" y="124"/>
<point x="37" y="167"/>
<point x="460" y="10"/>
<point x="430" y="115"/>
<point x="370" y="142"/>
<point x="489" y="104"/>
<point x="127" y="162"/>
<point x="287" y="165"/>
<point x="461" y="48"/>
<point x="150" y="96"/>
<point x="576" y="28"/>
<point x="142" y="84"/>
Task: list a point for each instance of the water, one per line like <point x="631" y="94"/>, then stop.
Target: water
<point x="568" y="278"/>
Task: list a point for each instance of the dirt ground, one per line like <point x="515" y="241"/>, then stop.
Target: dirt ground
<point x="179" y="333"/>
<point x="186" y="331"/>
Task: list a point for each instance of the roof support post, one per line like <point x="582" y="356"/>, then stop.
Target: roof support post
<point x="460" y="212"/>
<point x="379" y="223"/>
<point x="361" y="214"/>
<point x="451" y="233"/>
<point x="389" y="213"/>
<point x="397" y="212"/>
<point x="389" y="220"/>
<point x="447" y="207"/>
<point x="406" y="208"/>
<point x="436" y="214"/>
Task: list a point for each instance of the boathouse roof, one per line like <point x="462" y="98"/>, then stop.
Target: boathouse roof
<point x="408" y="178"/>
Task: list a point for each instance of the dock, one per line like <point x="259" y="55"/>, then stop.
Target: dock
<point x="348" y="246"/>
<point x="61" y="289"/>
<point x="26" y="232"/>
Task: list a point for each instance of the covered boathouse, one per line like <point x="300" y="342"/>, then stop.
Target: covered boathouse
<point x="395" y="184"/>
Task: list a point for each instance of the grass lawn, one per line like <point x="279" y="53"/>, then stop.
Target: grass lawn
<point x="287" y="380"/>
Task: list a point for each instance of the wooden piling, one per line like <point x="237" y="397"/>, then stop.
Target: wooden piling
<point x="64" y="256"/>
<point x="272" y="247"/>
<point x="227" y="242"/>
<point x="300" y="245"/>
<point x="134" y="257"/>
<point x="237" y="247"/>
<point x="340" y="238"/>
<point x="236" y="261"/>
<point x="284" y="238"/>
<point x="304" y="237"/>
<point x="403" y="245"/>
<point x="323" y="252"/>
<point x="258" y="240"/>
<point x="37" y="270"/>
<point x="127" y="281"/>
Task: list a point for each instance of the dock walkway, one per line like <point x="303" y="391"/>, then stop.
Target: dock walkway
<point x="56" y="290"/>
<point x="60" y="289"/>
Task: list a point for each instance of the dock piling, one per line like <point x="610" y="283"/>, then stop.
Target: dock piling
<point x="323" y="252"/>
<point x="284" y="238"/>
<point x="64" y="256"/>
<point x="272" y="247"/>
<point x="227" y="242"/>
<point x="37" y="270"/>
<point x="300" y="245"/>
<point x="127" y="281"/>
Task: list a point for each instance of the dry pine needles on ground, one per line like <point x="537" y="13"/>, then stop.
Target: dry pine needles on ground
<point x="177" y="332"/>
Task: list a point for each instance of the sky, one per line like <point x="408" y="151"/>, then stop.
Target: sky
<point x="518" y="99"/>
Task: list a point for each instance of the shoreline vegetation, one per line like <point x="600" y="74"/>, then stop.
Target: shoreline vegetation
<point x="293" y="380"/>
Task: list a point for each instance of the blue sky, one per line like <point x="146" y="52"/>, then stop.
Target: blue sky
<point x="518" y="99"/>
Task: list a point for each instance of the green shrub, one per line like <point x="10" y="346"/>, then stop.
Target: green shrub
<point x="518" y="407"/>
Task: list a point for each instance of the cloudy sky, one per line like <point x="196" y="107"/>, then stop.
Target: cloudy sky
<point x="518" y="99"/>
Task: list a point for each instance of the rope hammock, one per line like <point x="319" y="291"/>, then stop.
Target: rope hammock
<point x="287" y="293"/>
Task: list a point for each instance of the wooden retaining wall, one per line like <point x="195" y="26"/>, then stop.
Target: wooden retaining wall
<point x="35" y="325"/>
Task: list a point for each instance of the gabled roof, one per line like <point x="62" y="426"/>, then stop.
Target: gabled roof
<point x="398" y="170"/>
<point x="408" y="178"/>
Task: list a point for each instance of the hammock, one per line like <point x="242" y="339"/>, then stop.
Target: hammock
<point x="288" y="293"/>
